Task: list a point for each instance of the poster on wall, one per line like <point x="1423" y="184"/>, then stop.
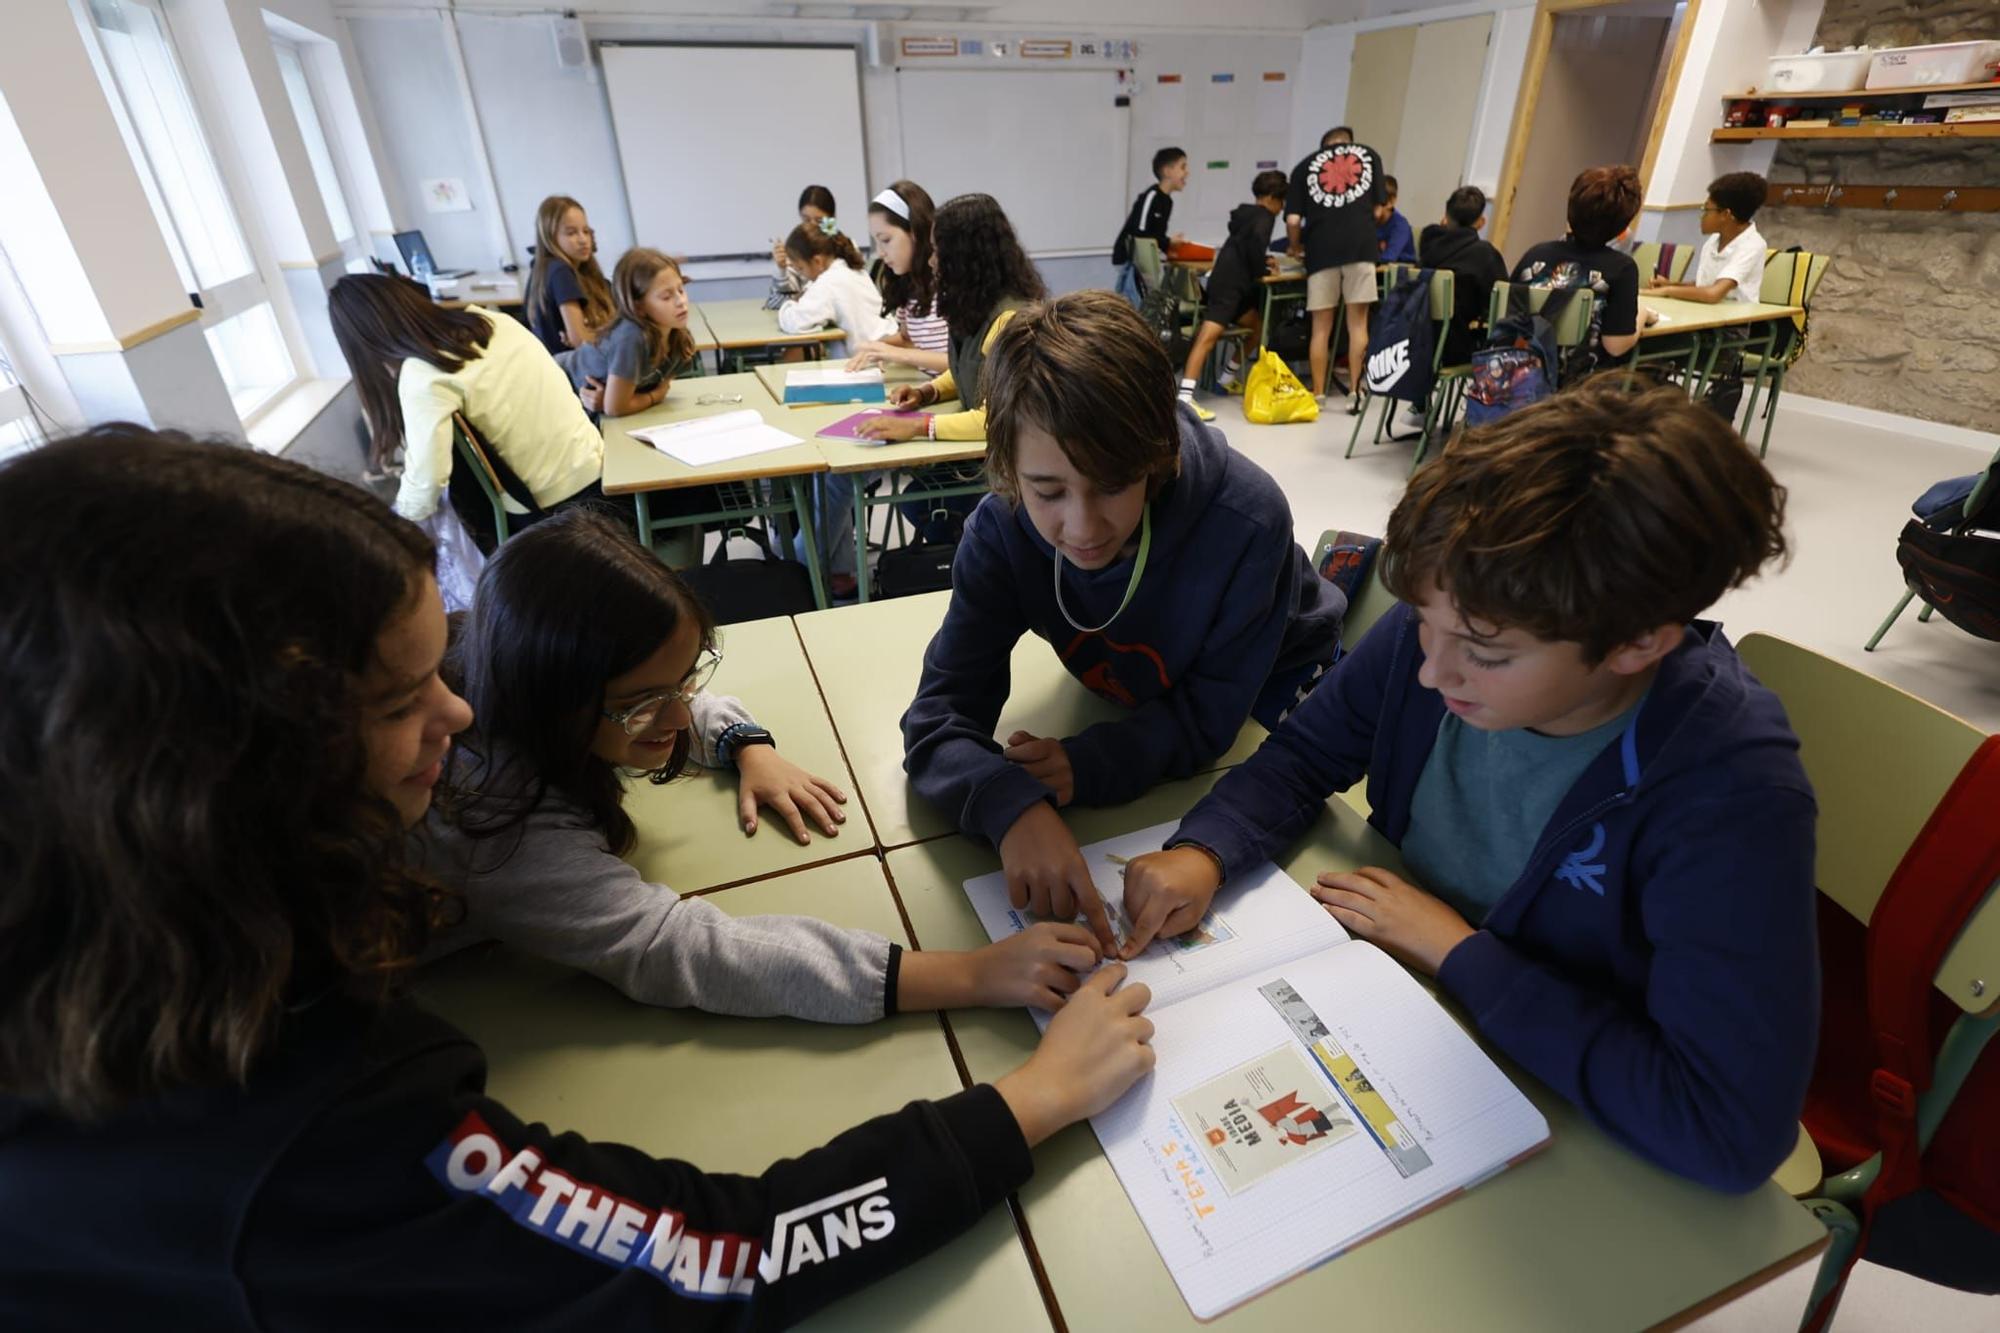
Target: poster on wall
<point x="446" y="194"/>
<point x="913" y="47"/>
<point x="1274" y="103"/>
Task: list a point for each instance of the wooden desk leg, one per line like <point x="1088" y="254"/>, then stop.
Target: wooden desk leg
<point x="804" y="511"/>
<point x="645" y="512"/>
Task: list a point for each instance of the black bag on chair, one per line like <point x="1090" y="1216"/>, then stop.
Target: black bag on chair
<point x="908" y="570"/>
<point x="757" y="589"/>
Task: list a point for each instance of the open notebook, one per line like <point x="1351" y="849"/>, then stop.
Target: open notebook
<point x="1308" y="1093"/>
<point x="704" y="441"/>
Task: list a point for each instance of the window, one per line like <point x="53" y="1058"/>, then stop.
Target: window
<point x="291" y="64"/>
<point x="18" y="428"/>
<point x="190" y="201"/>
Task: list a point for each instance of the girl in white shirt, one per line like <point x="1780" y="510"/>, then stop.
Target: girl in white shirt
<point x="415" y="364"/>
<point x="837" y="287"/>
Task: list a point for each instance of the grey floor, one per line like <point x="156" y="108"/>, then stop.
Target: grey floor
<point x="1850" y="491"/>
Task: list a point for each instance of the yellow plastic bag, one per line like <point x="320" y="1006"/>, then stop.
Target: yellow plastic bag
<point x="1272" y="395"/>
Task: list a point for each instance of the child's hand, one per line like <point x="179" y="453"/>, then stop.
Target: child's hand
<point x="778" y="255"/>
<point x="909" y="397"/>
<point x="1041" y="966"/>
<point x="892" y="430"/>
<point x="764" y="777"/>
<point x="1046" y="874"/>
<point x="1272" y="264"/>
<point x="1383" y="909"/>
<point x="1096" y="1047"/>
<point x="1046" y="760"/>
<point x="866" y="357"/>
<point x="1297" y="250"/>
<point x="592" y="394"/>
<point x="1648" y="318"/>
<point x="1166" y="894"/>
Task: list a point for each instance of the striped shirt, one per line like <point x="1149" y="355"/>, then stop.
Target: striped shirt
<point x="926" y="329"/>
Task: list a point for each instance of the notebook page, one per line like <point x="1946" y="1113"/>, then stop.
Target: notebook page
<point x="716" y="439"/>
<point x="1260" y="918"/>
<point x="1247" y="1164"/>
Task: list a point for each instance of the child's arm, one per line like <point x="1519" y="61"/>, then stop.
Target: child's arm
<point x="811" y="309"/>
<point x="949" y="750"/>
<point x="427" y="445"/>
<point x="622" y="397"/>
<point x="451" y="1194"/>
<point x="1710" y="294"/>
<point x="1708" y="1079"/>
<point x="575" y="331"/>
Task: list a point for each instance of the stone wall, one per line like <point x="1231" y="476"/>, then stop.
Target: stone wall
<point x="1907" y="318"/>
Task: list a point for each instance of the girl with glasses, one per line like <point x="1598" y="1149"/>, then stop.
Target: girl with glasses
<point x="584" y="660"/>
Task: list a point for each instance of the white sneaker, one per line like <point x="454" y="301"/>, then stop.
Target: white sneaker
<point x="1407" y="424"/>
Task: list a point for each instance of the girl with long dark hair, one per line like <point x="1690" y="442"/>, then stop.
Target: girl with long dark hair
<point x="900" y="221"/>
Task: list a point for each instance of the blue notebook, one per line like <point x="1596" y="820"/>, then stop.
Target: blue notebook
<point x="834" y="386"/>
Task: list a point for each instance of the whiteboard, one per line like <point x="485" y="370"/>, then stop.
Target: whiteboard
<point x="1050" y="145"/>
<point x="717" y="141"/>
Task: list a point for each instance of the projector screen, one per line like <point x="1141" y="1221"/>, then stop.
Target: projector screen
<point x="717" y="141"/>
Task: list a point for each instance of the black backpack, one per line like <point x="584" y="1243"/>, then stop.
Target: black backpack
<point x="738" y="590"/>
<point x="1950" y="564"/>
<point x="1402" y="341"/>
<point x="1519" y="364"/>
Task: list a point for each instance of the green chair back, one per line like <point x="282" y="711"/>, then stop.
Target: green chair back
<point x="1646" y="255"/>
<point x="1574" y="326"/>
<point x="1792" y="276"/>
<point x="1444" y="288"/>
<point x="465" y="442"/>
<point x="1147" y="261"/>
<point x="1879" y="760"/>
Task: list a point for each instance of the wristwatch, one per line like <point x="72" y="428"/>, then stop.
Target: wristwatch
<point x="737" y="735"/>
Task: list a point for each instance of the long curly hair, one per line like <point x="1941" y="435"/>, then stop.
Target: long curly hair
<point x="918" y="287"/>
<point x="187" y="843"/>
<point x="980" y="263"/>
<point x="564" y="607"/>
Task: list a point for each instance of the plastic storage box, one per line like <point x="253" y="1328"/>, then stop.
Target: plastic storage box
<point x="1926" y="66"/>
<point x="1826" y="72"/>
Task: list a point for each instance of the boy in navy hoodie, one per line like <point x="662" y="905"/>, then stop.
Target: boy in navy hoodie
<point x="1606" y="828"/>
<point x="1156" y="561"/>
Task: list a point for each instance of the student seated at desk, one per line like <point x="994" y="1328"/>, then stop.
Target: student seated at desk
<point x="415" y="364"/>
<point x="1730" y="266"/>
<point x="216" y="1111"/>
<point x="630" y="366"/>
<point x="1155" y="560"/>
<point x="1233" y="292"/>
<point x="1608" y="834"/>
<point x="569" y="302"/>
<point x="837" y="289"/>
<point x="900" y="221"/>
<point x="1602" y="203"/>
<point x="1455" y="245"/>
<point x="1393" y="242"/>
<point x="584" y="660"/>
<point x="815" y="205"/>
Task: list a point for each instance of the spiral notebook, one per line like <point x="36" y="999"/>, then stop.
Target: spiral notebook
<point x="1309" y="1093"/>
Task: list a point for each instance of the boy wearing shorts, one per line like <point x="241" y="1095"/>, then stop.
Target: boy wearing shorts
<point x="1330" y="220"/>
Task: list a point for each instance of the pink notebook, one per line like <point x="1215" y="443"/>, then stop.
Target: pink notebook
<point x="848" y="428"/>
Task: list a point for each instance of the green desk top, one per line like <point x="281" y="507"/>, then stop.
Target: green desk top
<point x="746" y="323"/>
<point x="1696" y="317"/>
<point x="1583" y="1235"/>
<point x="689" y="838"/>
<point x="704" y="337"/>
<point x="566" y="1049"/>
<point x="634" y="465"/>
<point x="868" y="659"/>
<point x="845" y="456"/>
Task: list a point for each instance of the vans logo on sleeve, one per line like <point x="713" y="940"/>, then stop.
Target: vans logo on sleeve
<point x="701" y="1265"/>
<point x="1581" y="869"/>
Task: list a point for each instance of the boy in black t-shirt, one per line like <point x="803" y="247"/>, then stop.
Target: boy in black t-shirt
<point x="1330" y="218"/>
<point x="1150" y="216"/>
<point x="1602" y="203"/>
<point x="1233" y="284"/>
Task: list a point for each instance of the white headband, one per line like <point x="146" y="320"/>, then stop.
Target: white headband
<point x="892" y="201"/>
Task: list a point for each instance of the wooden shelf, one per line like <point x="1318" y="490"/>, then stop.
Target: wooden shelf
<point x="1861" y="94"/>
<point x="1988" y="129"/>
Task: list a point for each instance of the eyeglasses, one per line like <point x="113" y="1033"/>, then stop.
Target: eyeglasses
<point x="710" y="399"/>
<point x="1713" y="208"/>
<point x="639" y="718"/>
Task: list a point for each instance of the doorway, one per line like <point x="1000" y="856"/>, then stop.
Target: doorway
<point x="1596" y="91"/>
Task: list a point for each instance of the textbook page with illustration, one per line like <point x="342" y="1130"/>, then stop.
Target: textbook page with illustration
<point x="1308" y="1093"/>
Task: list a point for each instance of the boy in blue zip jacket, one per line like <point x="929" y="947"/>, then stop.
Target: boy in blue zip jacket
<point x="1608" y="834"/>
<point x="1157" y="562"/>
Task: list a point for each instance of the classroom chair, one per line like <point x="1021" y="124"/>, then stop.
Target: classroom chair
<point x="495" y="482"/>
<point x="1443" y="293"/>
<point x="1152" y="269"/>
<point x="1909" y="946"/>
<point x="1790" y="278"/>
<point x="1979" y="508"/>
<point x="1667" y="261"/>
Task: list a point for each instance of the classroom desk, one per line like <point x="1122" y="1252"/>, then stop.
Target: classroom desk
<point x="704" y="337"/>
<point x="1694" y="333"/>
<point x="493" y="289"/>
<point x="868" y="660"/>
<point x="734" y="1094"/>
<point x="636" y="468"/>
<point x="689" y="836"/>
<point x="899" y="461"/>
<point x="1583" y="1235"/>
<point x="738" y="326"/>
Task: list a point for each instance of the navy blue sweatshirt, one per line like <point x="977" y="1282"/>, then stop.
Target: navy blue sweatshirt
<point x="363" y="1180"/>
<point x="1655" y="962"/>
<point x="1227" y="600"/>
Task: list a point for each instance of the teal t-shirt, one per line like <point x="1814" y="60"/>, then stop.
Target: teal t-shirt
<point x="1482" y="802"/>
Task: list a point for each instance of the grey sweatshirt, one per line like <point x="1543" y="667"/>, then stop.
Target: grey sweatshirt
<point x="553" y="887"/>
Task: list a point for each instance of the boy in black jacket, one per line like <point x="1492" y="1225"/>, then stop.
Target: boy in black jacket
<point x="1455" y="245"/>
<point x="1152" y="212"/>
<point x="1240" y="266"/>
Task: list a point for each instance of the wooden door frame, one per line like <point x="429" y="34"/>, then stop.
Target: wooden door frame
<point x="1539" y="42"/>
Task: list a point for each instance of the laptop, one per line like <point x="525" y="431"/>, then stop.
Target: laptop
<point x="417" y="258"/>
